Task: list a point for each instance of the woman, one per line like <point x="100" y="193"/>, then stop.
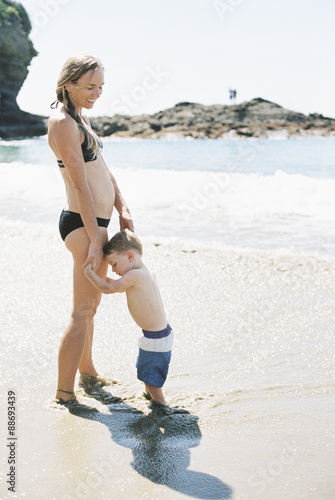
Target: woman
<point x="92" y="192"/>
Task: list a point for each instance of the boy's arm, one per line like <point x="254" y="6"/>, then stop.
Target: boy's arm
<point x="111" y="286"/>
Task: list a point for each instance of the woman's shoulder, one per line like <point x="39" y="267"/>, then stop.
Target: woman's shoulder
<point x="59" y="115"/>
<point x="62" y="121"/>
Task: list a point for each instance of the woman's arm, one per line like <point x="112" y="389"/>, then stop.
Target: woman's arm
<point x="121" y="206"/>
<point x="65" y="141"/>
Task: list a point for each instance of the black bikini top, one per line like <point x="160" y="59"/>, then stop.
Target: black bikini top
<point x="88" y="153"/>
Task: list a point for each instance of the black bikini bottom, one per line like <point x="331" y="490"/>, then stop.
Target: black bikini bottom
<point x="69" y="221"/>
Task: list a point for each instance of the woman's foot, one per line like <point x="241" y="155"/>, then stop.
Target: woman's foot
<point x="65" y="396"/>
<point x="89" y="381"/>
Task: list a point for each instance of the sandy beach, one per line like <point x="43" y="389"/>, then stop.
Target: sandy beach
<point x="252" y="363"/>
<point x="217" y="122"/>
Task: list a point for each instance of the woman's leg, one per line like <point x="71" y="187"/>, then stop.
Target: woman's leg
<point x="86" y="299"/>
<point x="86" y="361"/>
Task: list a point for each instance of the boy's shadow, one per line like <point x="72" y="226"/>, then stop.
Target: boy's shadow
<point x="160" y="443"/>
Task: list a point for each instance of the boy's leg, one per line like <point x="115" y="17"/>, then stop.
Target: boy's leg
<point x="156" y="393"/>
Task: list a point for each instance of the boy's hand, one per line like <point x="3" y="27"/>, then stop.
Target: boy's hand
<point x="88" y="269"/>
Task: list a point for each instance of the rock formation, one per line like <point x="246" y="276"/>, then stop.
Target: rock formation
<point x="16" y="53"/>
<point x="255" y="118"/>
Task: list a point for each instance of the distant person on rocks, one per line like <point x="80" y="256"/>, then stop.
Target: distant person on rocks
<point x="124" y="253"/>
<point x="92" y="193"/>
<point x="232" y="95"/>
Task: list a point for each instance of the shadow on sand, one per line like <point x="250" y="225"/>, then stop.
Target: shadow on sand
<point x="160" y="443"/>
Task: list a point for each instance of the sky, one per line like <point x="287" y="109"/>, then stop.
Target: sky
<point x="157" y="53"/>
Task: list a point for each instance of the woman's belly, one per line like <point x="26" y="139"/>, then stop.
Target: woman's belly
<point x="101" y="188"/>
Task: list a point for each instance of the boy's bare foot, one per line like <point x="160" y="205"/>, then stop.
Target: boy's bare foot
<point x="147" y="396"/>
<point x="155" y="393"/>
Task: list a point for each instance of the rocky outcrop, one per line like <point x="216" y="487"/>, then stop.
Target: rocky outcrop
<point x="255" y="118"/>
<point x="16" y="53"/>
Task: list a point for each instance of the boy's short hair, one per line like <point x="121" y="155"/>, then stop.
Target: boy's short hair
<point x="123" y="241"/>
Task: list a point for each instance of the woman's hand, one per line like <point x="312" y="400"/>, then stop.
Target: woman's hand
<point x="94" y="257"/>
<point x="126" y="221"/>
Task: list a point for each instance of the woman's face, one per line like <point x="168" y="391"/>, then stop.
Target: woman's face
<point x="87" y="89"/>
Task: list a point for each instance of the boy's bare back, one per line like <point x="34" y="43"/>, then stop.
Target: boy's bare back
<point x="143" y="297"/>
<point x="144" y="300"/>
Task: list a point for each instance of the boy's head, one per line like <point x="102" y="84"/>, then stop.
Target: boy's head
<point x="120" y="251"/>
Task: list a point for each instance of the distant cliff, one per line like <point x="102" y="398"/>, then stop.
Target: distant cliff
<point x="16" y="53"/>
<point x="255" y="118"/>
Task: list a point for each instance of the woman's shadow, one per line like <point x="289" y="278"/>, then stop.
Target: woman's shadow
<point x="160" y="443"/>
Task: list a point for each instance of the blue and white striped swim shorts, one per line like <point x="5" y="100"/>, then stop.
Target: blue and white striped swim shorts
<point x="154" y="356"/>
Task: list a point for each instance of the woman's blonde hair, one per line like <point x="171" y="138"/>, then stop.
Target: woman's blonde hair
<point x="74" y="68"/>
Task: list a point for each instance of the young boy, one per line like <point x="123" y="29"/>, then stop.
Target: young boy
<point x="124" y="253"/>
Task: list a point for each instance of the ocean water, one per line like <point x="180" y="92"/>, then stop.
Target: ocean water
<point x="249" y="194"/>
<point x="241" y="237"/>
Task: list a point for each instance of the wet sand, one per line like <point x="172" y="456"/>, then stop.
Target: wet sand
<point x="252" y="363"/>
